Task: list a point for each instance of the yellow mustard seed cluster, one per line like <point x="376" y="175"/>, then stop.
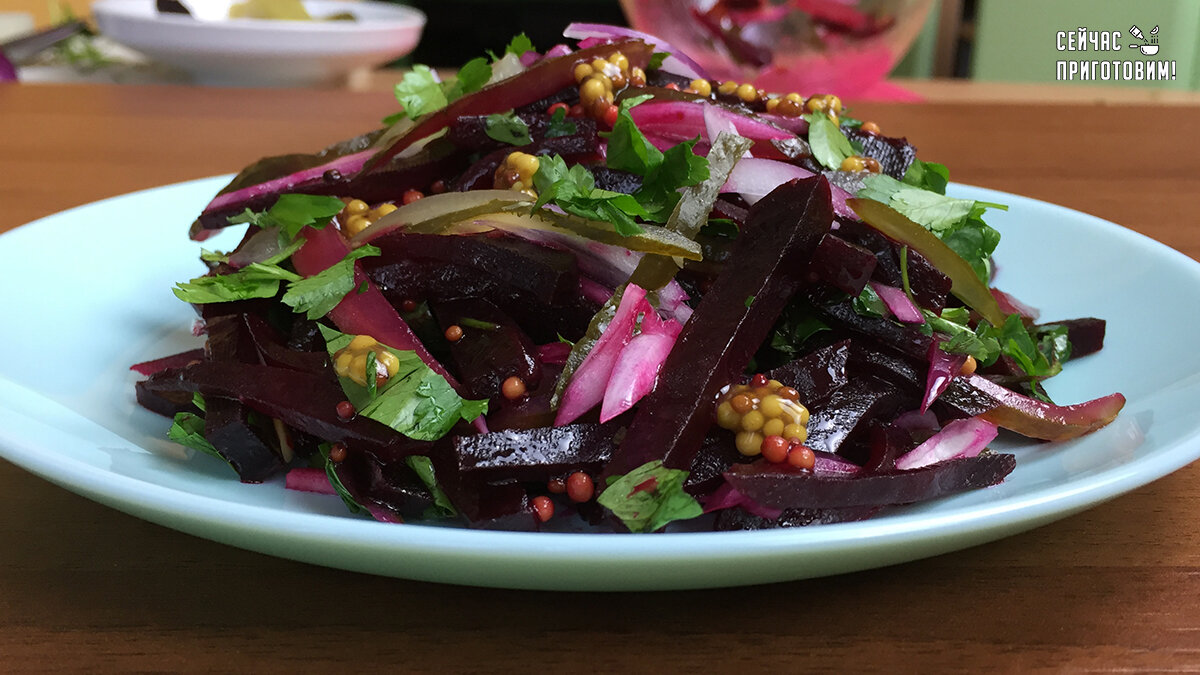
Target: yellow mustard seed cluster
<point x="827" y="103"/>
<point x="351" y="362"/>
<point x="761" y="409"/>
<point x="600" y="79"/>
<point x="516" y="173"/>
<point x="787" y="105"/>
<point x="358" y="215"/>
<point x="860" y="163"/>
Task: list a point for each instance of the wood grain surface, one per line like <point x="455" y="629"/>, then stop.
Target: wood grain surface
<point x="86" y="588"/>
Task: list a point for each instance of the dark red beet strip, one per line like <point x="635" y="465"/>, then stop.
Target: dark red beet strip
<point x="781" y="486"/>
<point x="768" y="265"/>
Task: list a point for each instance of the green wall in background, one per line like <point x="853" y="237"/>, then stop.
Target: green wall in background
<point x="1015" y="40"/>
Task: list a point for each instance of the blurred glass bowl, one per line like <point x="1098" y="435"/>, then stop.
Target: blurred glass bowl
<point x="843" y="47"/>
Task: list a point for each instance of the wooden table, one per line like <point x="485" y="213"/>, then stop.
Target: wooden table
<point x="83" y="587"/>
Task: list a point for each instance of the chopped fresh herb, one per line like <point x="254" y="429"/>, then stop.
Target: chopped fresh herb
<point x="574" y="190"/>
<point x="749" y="300"/>
<point x="649" y="497"/>
<point x="253" y="281"/>
<point x="507" y="128"/>
<point x="198" y="401"/>
<point x="423" y="467"/>
<point x="213" y="256"/>
<point x="628" y="148"/>
<point x="292" y="213"/>
<point x="958" y="222"/>
<point x="472" y="77"/>
<point x="656" y="60"/>
<point x="317" y="295"/>
<point x="928" y="176"/>
<point x="364" y="287"/>
<point x="188" y="431"/>
<point x="849" y="122"/>
<point x="338" y="487"/>
<point x="416" y="401"/>
<point x="420" y="92"/>
<point x="868" y="303"/>
<point x="663" y="173"/>
<point x="829" y="145"/>
<point x="560" y="126"/>
<point x="519" y="45"/>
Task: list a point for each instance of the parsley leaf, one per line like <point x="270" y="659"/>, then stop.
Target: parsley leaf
<point x="663" y="173"/>
<point x="957" y="222"/>
<point x="519" y="45"/>
<point x="507" y="128"/>
<point x="656" y="60"/>
<point x="628" y="148"/>
<point x="574" y="191"/>
<point x="416" y="401"/>
<point x="829" y="145"/>
<point x="256" y="280"/>
<point x="472" y="77"/>
<point x="317" y="295"/>
<point x="423" y="467"/>
<point x="420" y="92"/>
<point x="928" y="176"/>
<point x="560" y="126"/>
<point x="680" y="167"/>
<point x="188" y="431"/>
<point x="649" y="497"/>
<point x="868" y="303"/>
<point x="292" y="213"/>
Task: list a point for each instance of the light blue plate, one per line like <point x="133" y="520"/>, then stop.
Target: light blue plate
<point x="86" y="293"/>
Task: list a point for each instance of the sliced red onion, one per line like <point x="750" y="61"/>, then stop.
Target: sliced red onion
<point x="677" y="63"/>
<point x="347" y="166"/>
<point x="831" y="465"/>
<point x="557" y="51"/>
<point x="754" y="178"/>
<point x="586" y="388"/>
<point x="715" y="123"/>
<point x="898" y="303"/>
<point x="943" y="367"/>
<point x="635" y="371"/>
<point x="309" y="480"/>
<point x="672" y="300"/>
<point x="529" y="58"/>
<point x="726" y="497"/>
<point x="959" y="438"/>
<point x="668" y="123"/>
